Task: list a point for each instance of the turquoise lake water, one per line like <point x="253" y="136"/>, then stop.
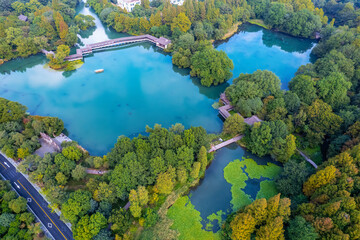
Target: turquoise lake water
<point x="139" y="86"/>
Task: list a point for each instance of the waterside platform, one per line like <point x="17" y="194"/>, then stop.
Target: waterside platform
<point x="90" y="48"/>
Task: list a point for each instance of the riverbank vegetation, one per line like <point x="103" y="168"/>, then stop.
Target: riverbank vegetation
<point x="27" y="28"/>
<point x="19" y="132"/>
<point x="148" y="171"/>
<point x="320" y="111"/>
<point x="196" y="24"/>
<point x="320" y="114"/>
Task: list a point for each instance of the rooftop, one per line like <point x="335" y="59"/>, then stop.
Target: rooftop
<point x="23" y="17"/>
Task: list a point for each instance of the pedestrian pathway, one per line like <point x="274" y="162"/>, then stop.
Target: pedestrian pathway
<point x="224" y="144"/>
<point x="307" y="158"/>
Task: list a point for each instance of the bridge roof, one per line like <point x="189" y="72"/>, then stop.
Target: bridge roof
<point x="163" y="41"/>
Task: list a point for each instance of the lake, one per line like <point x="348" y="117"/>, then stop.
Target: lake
<point x="139" y="86"/>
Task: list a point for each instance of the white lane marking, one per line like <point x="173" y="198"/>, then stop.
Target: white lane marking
<point x="17" y="185"/>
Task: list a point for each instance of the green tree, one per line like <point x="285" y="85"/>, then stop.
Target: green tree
<point x="275" y="16"/>
<point x="62" y="52"/>
<point x="259" y="139"/>
<point x="304" y="87"/>
<point x="302" y="23"/>
<point x="321" y="119"/>
<point x="292" y="178"/>
<point x="88" y="227"/>
<point x="299" y="229"/>
<point x="79" y="172"/>
<point x="18" y="205"/>
<point x="234" y="125"/>
<point x="72" y="153"/>
<point x="84" y="21"/>
<point x="61" y="178"/>
<point x="11" y="111"/>
<point x="105" y="192"/>
<point x="283" y="149"/>
<point x="211" y="66"/>
<point x="76" y="206"/>
<point x="333" y="90"/>
<point x="292" y="102"/>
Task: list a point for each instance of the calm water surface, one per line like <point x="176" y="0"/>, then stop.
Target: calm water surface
<point x="256" y="48"/>
<point x="139" y="86"/>
<point x="214" y="192"/>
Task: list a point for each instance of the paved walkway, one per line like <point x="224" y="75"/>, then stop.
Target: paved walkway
<point x="223" y="144"/>
<point x="307" y="158"/>
<point x="95" y="171"/>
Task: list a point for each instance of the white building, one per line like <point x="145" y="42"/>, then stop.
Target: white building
<point x="128" y="4"/>
<point x="177" y="2"/>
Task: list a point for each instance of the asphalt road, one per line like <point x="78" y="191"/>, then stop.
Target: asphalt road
<point x="58" y="229"/>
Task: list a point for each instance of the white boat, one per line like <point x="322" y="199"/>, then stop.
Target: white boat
<point x="99" y="70"/>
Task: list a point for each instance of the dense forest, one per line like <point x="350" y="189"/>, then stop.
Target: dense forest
<point x="15" y="221"/>
<point x="319" y="115"/>
<point x="27" y="27"/>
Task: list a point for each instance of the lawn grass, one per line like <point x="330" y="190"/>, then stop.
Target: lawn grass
<point x="234" y="28"/>
<point x="259" y="22"/>
<point x="187" y="221"/>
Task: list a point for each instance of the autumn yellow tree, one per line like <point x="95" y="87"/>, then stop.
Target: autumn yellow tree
<point x="258" y="209"/>
<point x="61" y="26"/>
<point x="164" y="183"/>
<point x="181" y="22"/>
<point x="202" y="158"/>
<point x="195" y="170"/>
<point x="242" y="226"/>
<point x="155" y="20"/>
<point x="319" y="179"/>
<point x="273" y="230"/>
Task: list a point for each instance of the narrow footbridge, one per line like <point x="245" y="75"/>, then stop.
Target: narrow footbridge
<point x="90" y="48"/>
<point x="307" y="158"/>
<point x="224" y="144"/>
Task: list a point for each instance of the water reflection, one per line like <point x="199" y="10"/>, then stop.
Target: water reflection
<point x="254" y="48"/>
